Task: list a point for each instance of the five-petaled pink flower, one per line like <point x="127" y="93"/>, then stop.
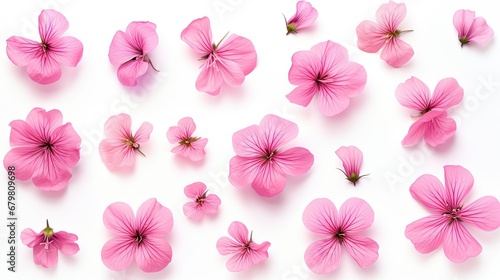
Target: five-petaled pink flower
<point x="342" y="229"/>
<point x="187" y="145"/>
<point x="43" y="59"/>
<point x="260" y="159"/>
<point x="446" y="225"/>
<point x="140" y="237"/>
<point x="244" y="250"/>
<point x="227" y="62"/>
<point x="433" y="123"/>
<point x="325" y="71"/>
<point x="129" y="50"/>
<point x="119" y="148"/>
<point x="351" y="158"/>
<point x="303" y="17"/>
<point x="471" y="28"/>
<point x="43" y="149"/>
<point x="384" y="34"/>
<point x="48" y="243"/>
<point x="202" y="203"/>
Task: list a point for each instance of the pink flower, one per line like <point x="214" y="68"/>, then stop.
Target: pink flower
<point x="227" y="62"/>
<point x="384" y="34"/>
<point x="351" y="158"/>
<point x="433" y="123"/>
<point x="325" y="71"/>
<point x="187" y="145"/>
<point x="141" y="237"/>
<point x="341" y="229"/>
<point x="261" y="161"/>
<point x="43" y="59"/>
<point x="43" y="149"/>
<point x="202" y="203"/>
<point x="119" y="148"/>
<point x="446" y="225"/>
<point x="244" y="250"/>
<point x="48" y="243"/>
<point x="303" y="17"/>
<point x="129" y="50"/>
<point x="471" y="28"/>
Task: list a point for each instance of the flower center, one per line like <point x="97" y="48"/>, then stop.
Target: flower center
<point x="320" y="79"/>
<point x="339" y="235"/>
<point x="134" y="145"/>
<point x="138" y="237"/>
<point x="45" y="47"/>
<point x="47" y="145"/>
<point x="187" y="141"/>
<point x="46" y="241"/>
<point x="453" y="214"/>
<point x="269" y="156"/>
<point x="201" y="199"/>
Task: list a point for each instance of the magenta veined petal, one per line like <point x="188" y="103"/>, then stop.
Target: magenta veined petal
<point x="471" y="28"/>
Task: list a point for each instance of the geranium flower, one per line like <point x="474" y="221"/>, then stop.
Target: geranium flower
<point x="471" y="28"/>
<point x="351" y="158"/>
<point x="433" y="123"/>
<point x="303" y="17"/>
<point x="446" y="225"/>
<point x="48" y="243"/>
<point x="43" y="59"/>
<point x="326" y="72"/>
<point x="129" y="50"/>
<point x="119" y="148"/>
<point x="384" y="34"/>
<point x="140" y="237"/>
<point x="187" y="145"/>
<point x="341" y="229"/>
<point x="260" y="159"/>
<point x="244" y="250"/>
<point x="227" y="62"/>
<point x="202" y="203"/>
<point x="43" y="149"/>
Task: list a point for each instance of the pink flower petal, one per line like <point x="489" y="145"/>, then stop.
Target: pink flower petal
<point x="447" y="94"/>
<point x="390" y="15"/>
<point x="192" y="210"/>
<point x="22" y="51"/>
<point x="480" y="32"/>
<point x="118" y="253"/>
<point x="434" y="126"/>
<point x="241" y="261"/>
<point x="45" y="257"/>
<point x="371" y="38"/>
<point x="429" y="192"/>
<point x="463" y="19"/>
<point x="483" y="213"/>
<point x="198" y="35"/>
<point x="65" y="242"/>
<point x="120" y="50"/>
<point x="321" y="216"/>
<point x="355" y="215"/>
<point x="211" y="204"/>
<point x="226" y="246"/>
<point x="30" y="238"/>
<point x="51" y="25"/>
<point x="231" y="72"/>
<point x="414" y="94"/>
<point x="276" y="131"/>
<point x="239" y="232"/>
<point x="269" y="181"/>
<point x="305" y="67"/>
<point x="303" y="94"/>
<point x="459" y="245"/>
<point x="195" y="190"/>
<point x="458" y="182"/>
<point x="247" y="142"/>
<point x="330" y="103"/>
<point x="140" y="39"/>
<point x="195" y="151"/>
<point x="143" y="133"/>
<point x="153" y="255"/>
<point x="44" y="69"/>
<point x="118" y="126"/>
<point x="258" y="252"/>
<point x="154" y="219"/>
<point x="239" y="50"/>
<point x="242" y="171"/>
<point x="351" y="158"/>
<point x="184" y="130"/>
<point x="323" y="256"/>
<point x="362" y="249"/>
<point x="116" y="154"/>
<point x="66" y="50"/>
<point x="119" y="219"/>
<point x="333" y="56"/>
<point x="26" y="160"/>
<point x="129" y="71"/>
<point x="295" y="161"/>
<point x="396" y="52"/>
<point x="428" y="233"/>
<point x="210" y="80"/>
<point x="305" y="15"/>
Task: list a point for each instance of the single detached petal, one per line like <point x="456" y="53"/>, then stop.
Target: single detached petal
<point x="30" y="238"/>
<point x="184" y="130"/>
<point x="414" y="94"/>
<point x="153" y="255"/>
<point x="154" y="219"/>
<point x="239" y="232"/>
<point x="483" y="213"/>
<point x="459" y="245"/>
<point x="119" y="218"/>
<point x="323" y="256"/>
<point x="198" y="35"/>
<point x="458" y="182"/>
<point x="119" y="252"/>
<point x="363" y="250"/>
<point x="429" y="192"/>
<point x="51" y="25"/>
<point x="295" y="161"/>
<point x="447" y="94"/>
<point x="371" y="38"/>
<point x="239" y="50"/>
<point x="304" y="17"/>
<point x="355" y="215"/>
<point x="351" y="158"/>
<point x="65" y="242"/>
<point x="321" y="216"/>
<point x="396" y="52"/>
<point x="276" y="131"/>
<point x="428" y="233"/>
<point x="390" y="15"/>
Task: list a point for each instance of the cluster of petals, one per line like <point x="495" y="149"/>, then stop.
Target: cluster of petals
<point x="325" y="71"/>
<point x="202" y="202"/>
<point x="450" y="214"/>
<point x="304" y="17"/>
<point x="188" y="145"/>
<point x="260" y="159"/>
<point x="351" y="158"/>
<point x="471" y="29"/>
<point x="433" y="123"/>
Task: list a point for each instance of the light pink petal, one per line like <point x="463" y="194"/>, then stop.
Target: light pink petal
<point x="306" y="66"/>
<point x="390" y="15"/>
<point x="198" y="36"/>
<point x="154" y="219"/>
<point x="192" y="210"/>
<point x="371" y="38"/>
<point x="45" y="257"/>
<point x="303" y="94"/>
<point x="211" y="204"/>
<point x="355" y="215"/>
<point x="258" y="252"/>
<point x="51" y="25"/>
<point x="323" y="256"/>
<point x="184" y="130"/>
<point x="22" y="51"/>
<point x="276" y="131"/>
<point x="241" y="261"/>
<point x="195" y="190"/>
<point x="153" y="255"/>
<point x="65" y="242"/>
<point x="305" y="15"/>
<point x="44" y="122"/>
<point x="333" y="56"/>
<point x="118" y="127"/>
<point x="30" y="238"/>
<point x="120" y="50"/>
<point x="226" y="246"/>
<point x="363" y="250"/>
<point x="26" y="161"/>
<point x="129" y="71"/>
<point x="269" y="181"/>
<point x="239" y="232"/>
<point x="447" y="94"/>
<point x="51" y="179"/>
<point x="231" y="72"/>
<point x="463" y="19"/>
<point x="458" y="182"/>
<point x="295" y="161"/>
<point x="118" y="253"/>
<point x="480" y="32"/>
<point x="483" y="213"/>
<point x="209" y="80"/>
<point x="396" y="52"/>
<point x="67" y="146"/>
<point x="116" y="154"/>
<point x="459" y="244"/>
<point x="195" y="151"/>
<point x="348" y="79"/>
<point x="44" y="69"/>
<point x="429" y="192"/>
<point x="142" y="36"/>
<point x="66" y="50"/>
<point x="196" y="210"/>
<point x="321" y="216"/>
<point x="143" y="133"/>
<point x="239" y="50"/>
<point x="242" y="170"/>
<point x="414" y="94"/>
<point x="439" y="129"/>
<point x="119" y="219"/>
<point x="331" y="103"/>
<point x="428" y="233"/>
<point x="247" y="142"/>
<point x="351" y="158"/>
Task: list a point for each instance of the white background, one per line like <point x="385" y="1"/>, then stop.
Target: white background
<point x="375" y="122"/>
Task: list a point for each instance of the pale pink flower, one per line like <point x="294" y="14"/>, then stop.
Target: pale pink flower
<point x="384" y="34"/>
<point x="48" y="243"/>
<point x="303" y="17"/>
<point x="227" y="62"/>
<point x="260" y="159"/>
<point x="446" y="225"/>
<point x="140" y="237"/>
<point x="471" y="28"/>
<point x="129" y="50"/>
<point x="118" y="150"/>
<point x="351" y="158"/>
<point x="325" y="71"/>
<point x="43" y="59"/>
<point x="187" y="145"/>
<point x="433" y="123"/>
<point x="44" y="149"/>
<point x="244" y="250"/>
<point x="202" y="203"/>
<point x="341" y="229"/>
